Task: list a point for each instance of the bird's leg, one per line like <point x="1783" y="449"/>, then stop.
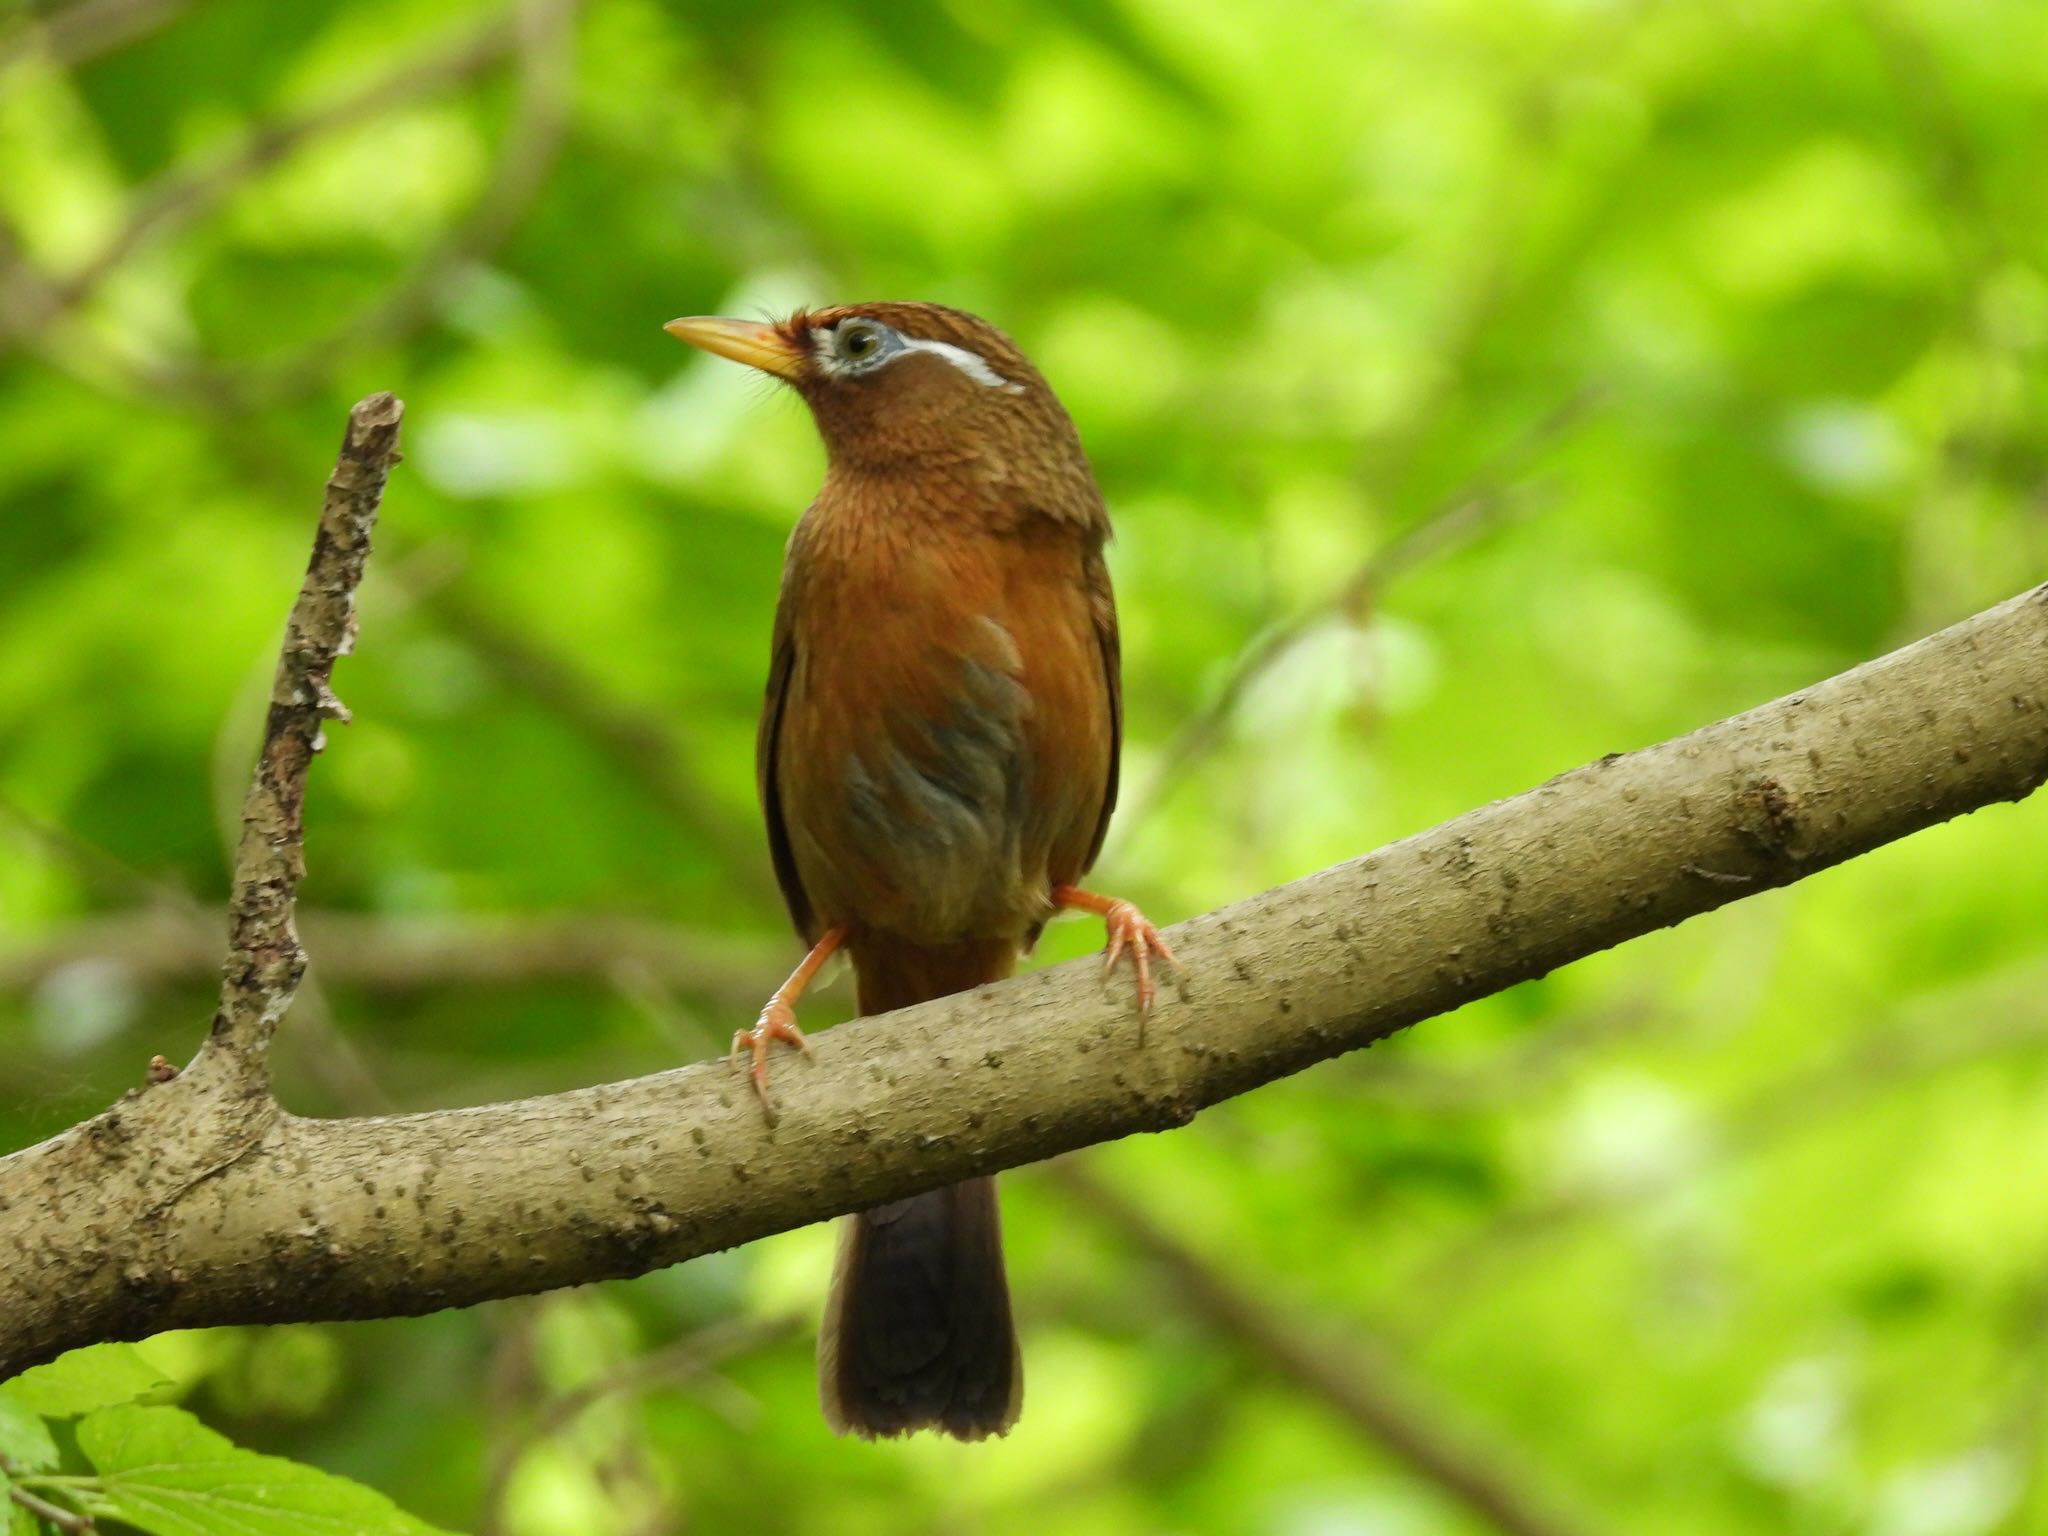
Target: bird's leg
<point x="778" y="1019"/>
<point x="1130" y="932"/>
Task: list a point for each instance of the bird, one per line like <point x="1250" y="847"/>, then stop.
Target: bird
<point x="937" y="763"/>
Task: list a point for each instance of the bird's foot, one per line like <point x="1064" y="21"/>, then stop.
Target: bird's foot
<point x="1131" y="934"/>
<point x="777" y="1022"/>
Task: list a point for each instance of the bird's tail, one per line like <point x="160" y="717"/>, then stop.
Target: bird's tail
<point x="917" y="1333"/>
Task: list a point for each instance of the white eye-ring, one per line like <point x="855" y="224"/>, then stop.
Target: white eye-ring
<point x="861" y="346"/>
<point x="857" y="346"/>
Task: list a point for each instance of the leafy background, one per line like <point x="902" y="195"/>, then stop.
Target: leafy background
<point x="1478" y="387"/>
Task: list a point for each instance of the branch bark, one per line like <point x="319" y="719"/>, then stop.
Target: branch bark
<point x="198" y="1201"/>
<point x="265" y="961"/>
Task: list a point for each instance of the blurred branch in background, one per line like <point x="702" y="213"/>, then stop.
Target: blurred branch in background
<point x="1939" y="1033"/>
<point x="170" y="937"/>
<point x="652" y="752"/>
<point x="1475" y="295"/>
<point x="403" y="953"/>
<point x="688" y="1361"/>
<point x="544" y="38"/>
<point x="536" y="34"/>
<point x="182" y="194"/>
<point x="1340" y="1367"/>
<point x="414" y="952"/>
<point x="1953" y="171"/>
<point x="83" y="31"/>
<point x="2023" y="1423"/>
<point x="1984" y="418"/>
<point x="1475" y="509"/>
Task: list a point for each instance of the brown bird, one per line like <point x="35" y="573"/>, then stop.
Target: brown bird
<point x="937" y="761"/>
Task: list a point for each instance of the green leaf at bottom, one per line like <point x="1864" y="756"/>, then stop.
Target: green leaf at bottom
<point x="84" y="1379"/>
<point x="25" y="1438"/>
<point x="163" y="1471"/>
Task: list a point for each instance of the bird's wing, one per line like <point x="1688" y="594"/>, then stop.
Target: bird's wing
<point x="1102" y="609"/>
<point x="767" y="742"/>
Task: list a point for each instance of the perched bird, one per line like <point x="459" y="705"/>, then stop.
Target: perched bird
<point x="937" y="760"/>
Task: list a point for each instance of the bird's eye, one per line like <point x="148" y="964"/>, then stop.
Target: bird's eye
<point x="859" y="341"/>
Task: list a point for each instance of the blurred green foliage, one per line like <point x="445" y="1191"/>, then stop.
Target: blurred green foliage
<point x="1715" y="329"/>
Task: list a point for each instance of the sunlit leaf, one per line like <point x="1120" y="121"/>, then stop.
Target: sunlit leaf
<point x="24" y="1437"/>
<point x="163" y="1471"/>
<point x="82" y="1380"/>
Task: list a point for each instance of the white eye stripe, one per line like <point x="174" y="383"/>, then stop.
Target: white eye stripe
<point x="973" y="364"/>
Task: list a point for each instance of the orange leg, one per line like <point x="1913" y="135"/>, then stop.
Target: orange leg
<point x="1130" y="931"/>
<point x="778" y="1019"/>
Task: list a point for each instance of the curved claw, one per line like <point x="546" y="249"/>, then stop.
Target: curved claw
<point x="777" y="1022"/>
<point x="1133" y="933"/>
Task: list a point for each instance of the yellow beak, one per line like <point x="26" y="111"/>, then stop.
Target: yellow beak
<point x="758" y="346"/>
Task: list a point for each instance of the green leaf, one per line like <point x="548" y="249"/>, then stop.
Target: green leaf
<point x="163" y="1471"/>
<point x="97" y="1376"/>
<point x="24" y="1437"/>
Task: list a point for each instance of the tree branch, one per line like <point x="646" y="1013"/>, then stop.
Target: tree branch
<point x="265" y="961"/>
<point x="187" y="1205"/>
<point x="56" y="1516"/>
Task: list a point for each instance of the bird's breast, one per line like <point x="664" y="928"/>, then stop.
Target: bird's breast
<point x="944" y="748"/>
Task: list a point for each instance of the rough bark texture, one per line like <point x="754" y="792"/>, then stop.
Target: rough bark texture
<point x="265" y="960"/>
<point x="198" y="1201"/>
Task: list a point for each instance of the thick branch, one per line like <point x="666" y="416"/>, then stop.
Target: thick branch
<point x="265" y="962"/>
<point x="109" y="1236"/>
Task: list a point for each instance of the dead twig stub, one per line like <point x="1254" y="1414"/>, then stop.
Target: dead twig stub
<point x="265" y="960"/>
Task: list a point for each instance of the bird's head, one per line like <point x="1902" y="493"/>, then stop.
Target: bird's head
<point x="896" y="386"/>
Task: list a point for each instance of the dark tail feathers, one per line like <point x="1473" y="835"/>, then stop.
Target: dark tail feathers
<point x="917" y="1334"/>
